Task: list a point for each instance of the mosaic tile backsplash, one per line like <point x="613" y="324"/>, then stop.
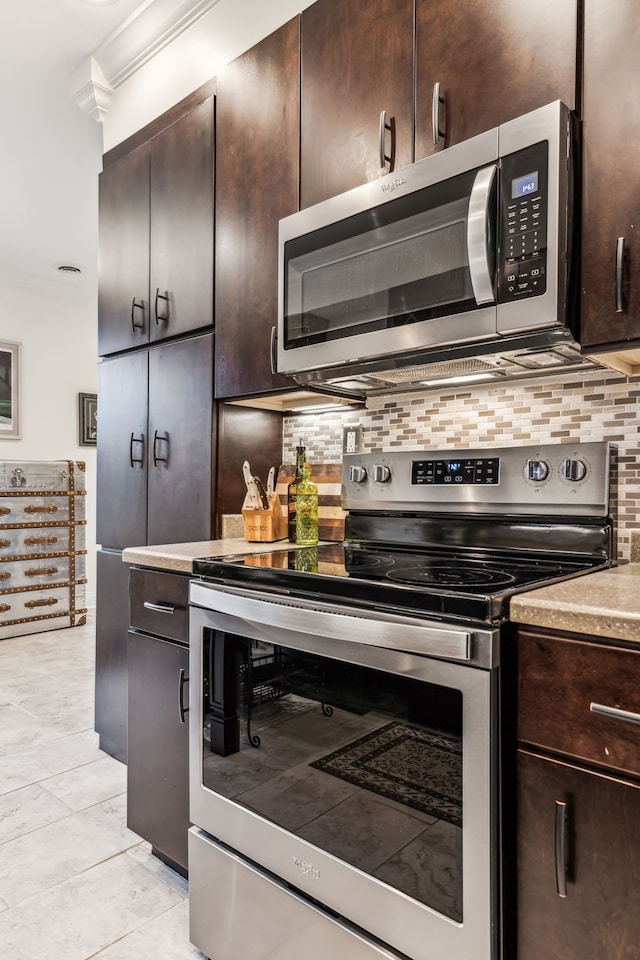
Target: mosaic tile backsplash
<point x="589" y="406"/>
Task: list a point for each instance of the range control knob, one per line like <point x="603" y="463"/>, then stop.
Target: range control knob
<point x="381" y="473"/>
<point x="357" y="474"/>
<point x="573" y="470"/>
<point x="536" y="470"/>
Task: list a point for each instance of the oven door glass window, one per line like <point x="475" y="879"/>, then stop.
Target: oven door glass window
<point x="363" y="764"/>
<point x="405" y="261"/>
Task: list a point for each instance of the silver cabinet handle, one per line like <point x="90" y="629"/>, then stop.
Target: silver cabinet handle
<point x="615" y="712"/>
<point x="273" y="346"/>
<point x="478" y="236"/>
<point x="436" y="103"/>
<point x="382" y="136"/>
<point x="133" y="459"/>
<point x="562" y="820"/>
<point x="182" y="710"/>
<point x="156" y="311"/>
<point x="156" y="439"/>
<point x="136" y="306"/>
<point x="158" y="607"/>
<point x="620" y="258"/>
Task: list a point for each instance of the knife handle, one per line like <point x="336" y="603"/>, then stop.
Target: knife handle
<point x="271" y="482"/>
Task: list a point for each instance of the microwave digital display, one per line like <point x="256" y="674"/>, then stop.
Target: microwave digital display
<point x="524" y="186"/>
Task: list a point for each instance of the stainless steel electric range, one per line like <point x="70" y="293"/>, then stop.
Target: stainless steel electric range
<point x="351" y="724"/>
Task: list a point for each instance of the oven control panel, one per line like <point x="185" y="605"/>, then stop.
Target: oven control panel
<point x="556" y="479"/>
<point x="463" y="470"/>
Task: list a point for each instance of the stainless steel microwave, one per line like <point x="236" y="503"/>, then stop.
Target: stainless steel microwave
<point x="456" y="267"/>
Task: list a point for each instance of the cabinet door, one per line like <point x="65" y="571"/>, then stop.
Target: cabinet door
<point x="181" y="277"/>
<point x="123" y="287"/>
<point x="600" y="915"/>
<point x="257" y="177"/>
<point x="560" y="716"/>
<point x="158" y="751"/>
<point x="112" y="622"/>
<point x="494" y="60"/>
<point x="357" y="61"/>
<point x="122" y="451"/>
<point x="611" y="189"/>
<point x="180" y="441"/>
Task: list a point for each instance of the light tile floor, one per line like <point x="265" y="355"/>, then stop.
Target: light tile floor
<point x="75" y="883"/>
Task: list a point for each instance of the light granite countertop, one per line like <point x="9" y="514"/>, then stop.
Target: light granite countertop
<point x="179" y="557"/>
<point x="604" y="604"/>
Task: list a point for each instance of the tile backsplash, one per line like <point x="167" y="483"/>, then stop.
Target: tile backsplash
<point x="585" y="406"/>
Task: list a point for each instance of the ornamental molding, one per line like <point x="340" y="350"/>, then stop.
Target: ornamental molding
<point x="150" y="28"/>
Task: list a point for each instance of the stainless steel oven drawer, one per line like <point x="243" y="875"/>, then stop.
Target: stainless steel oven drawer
<point x="237" y="911"/>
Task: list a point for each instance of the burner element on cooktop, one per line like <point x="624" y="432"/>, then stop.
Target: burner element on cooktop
<point x="456" y="575"/>
<point x="452" y="573"/>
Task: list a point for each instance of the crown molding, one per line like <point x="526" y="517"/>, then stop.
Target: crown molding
<point x="154" y="25"/>
<point x="91" y="91"/>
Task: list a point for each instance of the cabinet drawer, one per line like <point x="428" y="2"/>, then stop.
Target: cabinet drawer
<point x="566" y="690"/>
<point x="35" y="510"/>
<point x="40" y="571"/>
<point x="37" y="541"/>
<point x="36" y="605"/>
<point x="159" y="603"/>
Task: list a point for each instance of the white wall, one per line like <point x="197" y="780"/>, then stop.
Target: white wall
<point x="193" y="58"/>
<point x="55" y="323"/>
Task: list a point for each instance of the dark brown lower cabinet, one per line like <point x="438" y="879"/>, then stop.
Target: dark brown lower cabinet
<point x="579" y="835"/>
<point x="158" y="764"/>
<point x="112" y="624"/>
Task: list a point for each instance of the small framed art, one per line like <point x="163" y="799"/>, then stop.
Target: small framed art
<point x="9" y="390"/>
<point x="87" y="419"/>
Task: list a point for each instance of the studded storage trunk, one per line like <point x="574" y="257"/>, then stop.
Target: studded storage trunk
<point x="42" y="546"/>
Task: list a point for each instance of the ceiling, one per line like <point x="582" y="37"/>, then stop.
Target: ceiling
<point x="52" y="151"/>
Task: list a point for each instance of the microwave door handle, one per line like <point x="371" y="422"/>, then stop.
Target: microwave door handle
<point x="478" y="236"/>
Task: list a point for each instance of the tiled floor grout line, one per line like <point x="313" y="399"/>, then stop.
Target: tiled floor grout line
<point x="85" y="887"/>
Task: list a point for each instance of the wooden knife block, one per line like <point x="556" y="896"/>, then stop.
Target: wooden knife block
<point x="264" y="526"/>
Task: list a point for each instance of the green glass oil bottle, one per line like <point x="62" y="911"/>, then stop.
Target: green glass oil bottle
<point x="307" y="510"/>
<point x="292" y="491"/>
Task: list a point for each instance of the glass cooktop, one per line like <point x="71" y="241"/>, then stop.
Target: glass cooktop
<point x="470" y="585"/>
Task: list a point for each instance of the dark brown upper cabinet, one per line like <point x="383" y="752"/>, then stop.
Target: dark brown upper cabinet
<point x="610" y="307"/>
<point x="156" y="236"/>
<point x="493" y="60"/>
<point x="123" y="227"/>
<point x="155" y="472"/>
<point x="257" y="177"/>
<point x="357" y="94"/>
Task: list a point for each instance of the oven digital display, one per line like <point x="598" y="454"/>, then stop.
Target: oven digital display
<point x="441" y="472"/>
<point x="524" y="186"/>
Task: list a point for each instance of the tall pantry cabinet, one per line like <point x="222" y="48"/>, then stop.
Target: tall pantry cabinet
<point x="156" y="444"/>
<point x="169" y="456"/>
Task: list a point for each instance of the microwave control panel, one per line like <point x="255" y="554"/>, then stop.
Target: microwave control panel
<point x="523" y="224"/>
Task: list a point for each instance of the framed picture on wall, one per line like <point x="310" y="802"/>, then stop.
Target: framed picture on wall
<point x="87" y="419"/>
<point x="9" y="390"/>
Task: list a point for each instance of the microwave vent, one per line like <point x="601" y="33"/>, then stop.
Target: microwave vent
<point x="431" y="371"/>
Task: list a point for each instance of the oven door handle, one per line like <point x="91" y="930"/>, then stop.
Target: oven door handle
<point x="405" y="634"/>
<point x="479" y="236"/>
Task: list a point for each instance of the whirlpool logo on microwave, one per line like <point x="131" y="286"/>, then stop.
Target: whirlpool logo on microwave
<point x="307" y="869"/>
<point x="390" y="187"/>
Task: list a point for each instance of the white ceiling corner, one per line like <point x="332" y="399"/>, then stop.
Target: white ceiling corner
<point x="146" y="31"/>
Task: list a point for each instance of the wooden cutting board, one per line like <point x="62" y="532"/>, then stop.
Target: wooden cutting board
<point x="328" y="477"/>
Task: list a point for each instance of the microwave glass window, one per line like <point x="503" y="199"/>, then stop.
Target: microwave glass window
<point x="386" y="267"/>
<point x="325" y="749"/>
